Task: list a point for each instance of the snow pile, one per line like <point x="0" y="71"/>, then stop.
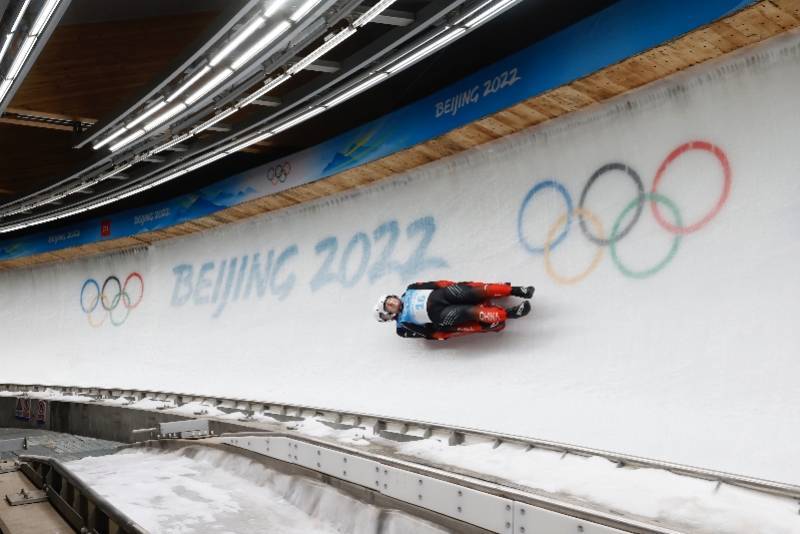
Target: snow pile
<point x="205" y="490"/>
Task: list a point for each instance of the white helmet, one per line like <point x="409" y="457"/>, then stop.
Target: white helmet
<point x="380" y="312"/>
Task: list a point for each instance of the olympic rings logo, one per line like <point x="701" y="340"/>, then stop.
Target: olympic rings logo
<point x="279" y="173"/>
<point x="594" y="231"/>
<point x="113" y="300"/>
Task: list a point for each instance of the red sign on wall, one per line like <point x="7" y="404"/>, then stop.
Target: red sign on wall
<point x="41" y="412"/>
<point x="22" y="410"/>
<point x="105" y="228"/>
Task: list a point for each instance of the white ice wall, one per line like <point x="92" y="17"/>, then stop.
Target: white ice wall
<point x="696" y="363"/>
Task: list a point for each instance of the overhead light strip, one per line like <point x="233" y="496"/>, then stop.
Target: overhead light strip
<point x="202" y="72"/>
<point x="372" y="13"/>
<point x="221" y="76"/>
<point x="21" y="14"/>
<point x="300" y="118"/>
<point x="236" y="41"/>
<point x="44" y="16"/>
<point x="6" y="44"/>
<point x="208" y="86"/>
<point x="164" y="117"/>
<point x="169" y="144"/>
<point x="24" y="51"/>
<point x="426" y="50"/>
<point x="332" y="42"/>
<point x="490" y="13"/>
<point x="147" y="114"/>
<point x="301" y="12"/>
<point x="359" y="88"/>
<point x="213" y="120"/>
<point x="251" y="52"/>
<point x="249" y="142"/>
<point x="130" y="138"/>
<point x="261" y="44"/>
<point x="274" y="7"/>
<point x="271" y="84"/>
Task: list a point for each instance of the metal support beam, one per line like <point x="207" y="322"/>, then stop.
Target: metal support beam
<point x="322" y="65"/>
<point x="267" y="102"/>
<point x="392" y="17"/>
<point x="43" y="119"/>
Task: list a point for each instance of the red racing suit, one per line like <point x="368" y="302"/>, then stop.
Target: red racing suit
<point x="443" y="309"/>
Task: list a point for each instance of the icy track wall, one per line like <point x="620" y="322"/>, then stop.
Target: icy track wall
<point x="661" y="232"/>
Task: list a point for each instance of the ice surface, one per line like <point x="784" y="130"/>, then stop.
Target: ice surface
<point x="677" y="345"/>
<point x="205" y="490"/>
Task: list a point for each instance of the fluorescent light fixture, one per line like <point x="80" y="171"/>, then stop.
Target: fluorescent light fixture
<point x="262" y="43"/>
<point x="149" y="113"/>
<point x="473" y="11"/>
<point x="110" y="138"/>
<point x="169" y="144"/>
<point x="301" y="12"/>
<point x="20" y="15"/>
<point x="173" y="175"/>
<point x="214" y="120"/>
<point x="249" y="142"/>
<point x="426" y="50"/>
<point x="107" y="201"/>
<point x="372" y="12"/>
<point x="22" y="55"/>
<point x="300" y="118"/>
<point x="5" y="85"/>
<point x="333" y="41"/>
<point x="490" y="13"/>
<point x="206" y="161"/>
<point x="208" y="86"/>
<point x="81" y="187"/>
<point x="236" y="41"/>
<point x="269" y="86"/>
<point x="359" y="88"/>
<point x="6" y="43"/>
<point x="202" y="72"/>
<point x="164" y="117"/>
<point x="44" y="16"/>
<point x="160" y="181"/>
<point x="275" y="6"/>
<point x="84" y="185"/>
<point x="125" y="140"/>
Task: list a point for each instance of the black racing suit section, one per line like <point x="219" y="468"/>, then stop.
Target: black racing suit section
<point x="456" y="308"/>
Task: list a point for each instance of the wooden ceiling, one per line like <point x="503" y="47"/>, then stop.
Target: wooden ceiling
<point x="86" y="71"/>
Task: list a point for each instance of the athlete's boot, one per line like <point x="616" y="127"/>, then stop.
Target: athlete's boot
<point x="524" y="292"/>
<point x="520" y="310"/>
